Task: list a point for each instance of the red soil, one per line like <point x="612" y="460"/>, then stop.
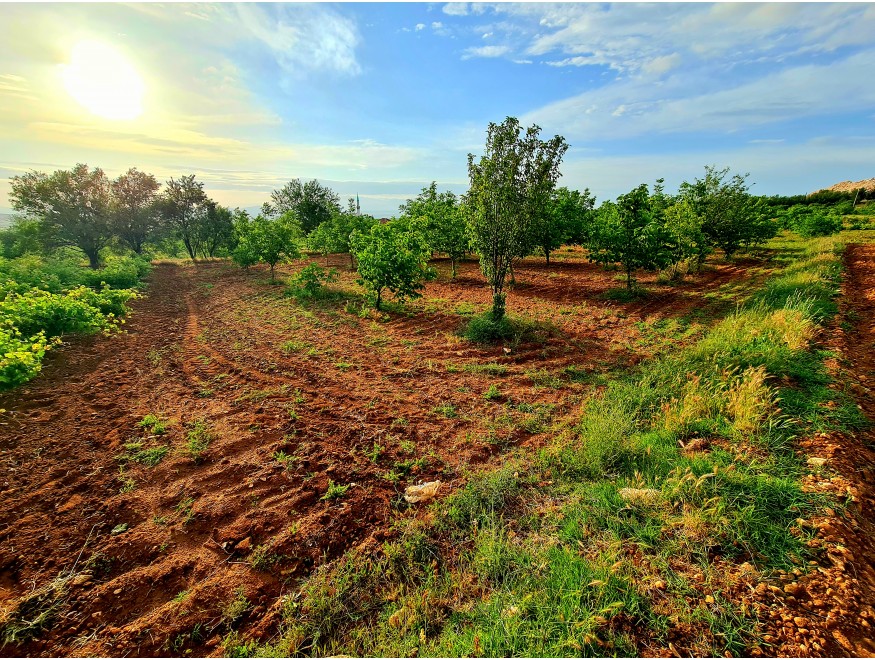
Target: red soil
<point x="319" y="382"/>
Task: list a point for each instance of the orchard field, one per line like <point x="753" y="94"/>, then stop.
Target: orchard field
<point x="226" y="476"/>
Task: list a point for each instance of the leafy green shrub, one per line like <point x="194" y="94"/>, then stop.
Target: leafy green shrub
<point x="120" y="273"/>
<point x="484" y="329"/>
<point x="393" y="256"/>
<point x="20" y="359"/>
<point x="309" y="281"/>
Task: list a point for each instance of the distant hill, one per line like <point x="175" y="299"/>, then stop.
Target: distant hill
<point x="851" y="186"/>
<point x="5" y="220"/>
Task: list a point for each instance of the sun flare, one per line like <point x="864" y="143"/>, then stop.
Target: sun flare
<point x="103" y="81"/>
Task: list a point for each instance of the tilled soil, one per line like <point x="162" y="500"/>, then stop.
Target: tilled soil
<point x="294" y="400"/>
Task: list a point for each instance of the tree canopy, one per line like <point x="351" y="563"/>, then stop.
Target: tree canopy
<point x="74" y="205"/>
<point x="311" y="202"/>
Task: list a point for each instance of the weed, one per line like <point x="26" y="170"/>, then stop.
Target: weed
<point x="234" y="611"/>
<point x="491" y="369"/>
<point x="185" y="509"/>
<point x="181" y="596"/>
<point x="448" y="410"/>
<point x="154" y="424"/>
<point x="374" y="453"/>
<point x="286" y="459"/>
<point x="135" y="452"/>
<point x="492" y="393"/>
<point x="198" y="440"/>
<point x="335" y="491"/>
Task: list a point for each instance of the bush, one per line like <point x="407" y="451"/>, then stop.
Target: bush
<point x="309" y="281"/>
<point x="484" y="329"/>
<point x="20" y="359"/>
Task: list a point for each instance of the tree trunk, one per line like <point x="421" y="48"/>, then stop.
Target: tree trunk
<point x="498" y="307"/>
<point x="547" y="255"/>
<point x="189" y="247"/>
<point x="512" y="276"/>
<point x="93" y="258"/>
<point x="272" y="278"/>
<point x="453" y="262"/>
<point x="628" y="279"/>
<point x="379" y="294"/>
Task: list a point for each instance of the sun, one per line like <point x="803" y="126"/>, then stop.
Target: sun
<point x="103" y="81"/>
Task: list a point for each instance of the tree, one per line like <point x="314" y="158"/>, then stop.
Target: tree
<point x="267" y="240"/>
<point x="312" y="202"/>
<point x="215" y="230"/>
<point x="630" y="233"/>
<point x="333" y="235"/>
<point x="183" y="206"/>
<point x="134" y="211"/>
<point x="732" y="217"/>
<point x="565" y="219"/>
<point x="685" y="227"/>
<point x="393" y="256"/>
<point x="445" y="226"/>
<point x="74" y="206"/>
<point x="510" y="187"/>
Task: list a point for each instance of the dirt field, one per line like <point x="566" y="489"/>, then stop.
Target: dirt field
<point x="271" y="403"/>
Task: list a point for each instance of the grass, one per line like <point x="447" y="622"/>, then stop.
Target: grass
<point x="197" y="440"/>
<point x="611" y="536"/>
<point x="149" y="456"/>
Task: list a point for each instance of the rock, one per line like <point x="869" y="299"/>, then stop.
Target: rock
<point x="815" y="461"/>
<point x="244" y="546"/>
<point x="643" y="496"/>
<point x="117" y="592"/>
<point x="422" y="492"/>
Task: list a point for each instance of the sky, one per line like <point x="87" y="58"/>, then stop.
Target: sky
<point x="379" y="99"/>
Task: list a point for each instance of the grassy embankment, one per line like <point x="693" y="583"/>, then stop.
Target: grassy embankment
<point x="637" y="527"/>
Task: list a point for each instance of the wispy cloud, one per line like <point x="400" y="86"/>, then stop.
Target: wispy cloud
<point x="485" y="51"/>
<point x="303" y="38"/>
<point x="456" y="8"/>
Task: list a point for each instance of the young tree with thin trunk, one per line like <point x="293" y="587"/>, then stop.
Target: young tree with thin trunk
<point x="511" y="186"/>
<point x="73" y="205"/>
<point x="267" y="240"/>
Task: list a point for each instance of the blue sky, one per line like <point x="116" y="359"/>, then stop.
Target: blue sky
<point x="380" y="99"/>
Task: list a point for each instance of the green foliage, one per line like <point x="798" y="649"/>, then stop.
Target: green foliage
<point x="334" y="235"/>
<point x="198" y="440"/>
<point x="335" y="491"/>
<point x="510" y="188"/>
<point x="445" y="226"/>
<point x="182" y="206"/>
<point x="686" y="234"/>
<point x="74" y="206"/>
<point x="732" y="217"/>
<point x="310" y="280"/>
<point x="811" y="220"/>
<point x="310" y="202"/>
<point x="266" y="240"/>
<point x="135" y="216"/>
<point x="485" y="329"/>
<point x="567" y="219"/>
<point x="393" y="256"/>
<point x="20" y="359"/>
<point x="630" y="233"/>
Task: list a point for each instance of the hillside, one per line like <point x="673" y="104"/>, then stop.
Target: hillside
<point x="850" y="186"/>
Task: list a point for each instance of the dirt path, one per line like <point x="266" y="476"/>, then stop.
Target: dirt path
<point x="286" y="401"/>
<point x="829" y="611"/>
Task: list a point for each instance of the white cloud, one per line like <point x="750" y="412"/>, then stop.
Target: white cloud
<point x="419" y="26"/>
<point x="303" y="38"/>
<point x="456" y="8"/>
<point x="635" y="106"/>
<point x="634" y="37"/>
<point x="437" y="25"/>
<point x="485" y="51"/>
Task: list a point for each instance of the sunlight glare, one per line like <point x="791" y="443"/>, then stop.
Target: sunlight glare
<point x="103" y="81"/>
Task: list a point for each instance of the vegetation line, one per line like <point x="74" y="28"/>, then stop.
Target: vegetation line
<point x="676" y="491"/>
